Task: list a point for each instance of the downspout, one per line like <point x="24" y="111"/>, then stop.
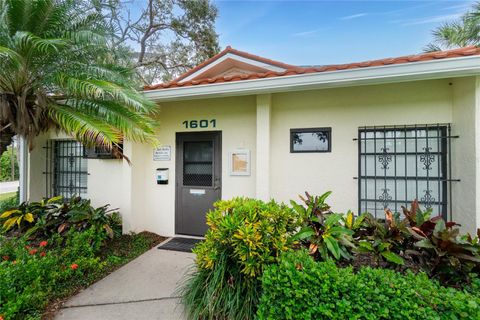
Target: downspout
<point x="23" y="169"/>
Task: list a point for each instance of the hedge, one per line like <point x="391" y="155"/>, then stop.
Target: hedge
<point x="300" y="288"/>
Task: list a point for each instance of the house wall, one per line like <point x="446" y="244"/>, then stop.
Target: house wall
<point x="148" y="206"/>
<point x="235" y="118"/>
<point x="345" y="110"/>
<point x="104" y="182"/>
<point x="464" y="153"/>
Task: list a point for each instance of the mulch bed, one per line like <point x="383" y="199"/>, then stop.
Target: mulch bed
<point x="121" y="247"/>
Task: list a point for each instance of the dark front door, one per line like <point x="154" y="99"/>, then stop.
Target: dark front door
<point x="198" y="179"/>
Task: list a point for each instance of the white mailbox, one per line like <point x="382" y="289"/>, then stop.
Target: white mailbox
<point x="162" y="176"/>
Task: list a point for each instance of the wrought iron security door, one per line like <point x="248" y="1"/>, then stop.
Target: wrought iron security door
<point x="66" y="169"/>
<point x="402" y="163"/>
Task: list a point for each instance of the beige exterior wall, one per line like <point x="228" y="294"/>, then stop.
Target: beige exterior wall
<point x="345" y="110"/>
<point x="465" y="155"/>
<point x="148" y="206"/>
<point x="104" y="183"/>
<point x="235" y="117"/>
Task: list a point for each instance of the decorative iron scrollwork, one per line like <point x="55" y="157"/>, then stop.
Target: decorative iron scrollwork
<point x="71" y="159"/>
<point x="71" y="186"/>
<point x="385" y="197"/>
<point x="384" y="158"/>
<point x="427" y="199"/>
<point x="427" y="158"/>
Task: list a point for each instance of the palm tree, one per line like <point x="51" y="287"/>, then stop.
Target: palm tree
<point x="461" y="33"/>
<point x="56" y="73"/>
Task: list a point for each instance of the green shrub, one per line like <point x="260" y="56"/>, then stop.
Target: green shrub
<point x="300" y="288"/>
<point x="49" y="216"/>
<point x="31" y="275"/>
<point x="9" y="203"/>
<point x="6" y="165"/>
<point x="245" y="236"/>
<point x="323" y="232"/>
<point x="413" y="240"/>
<point x="440" y="249"/>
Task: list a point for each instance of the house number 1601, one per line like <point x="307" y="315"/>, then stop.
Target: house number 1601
<point x="192" y="124"/>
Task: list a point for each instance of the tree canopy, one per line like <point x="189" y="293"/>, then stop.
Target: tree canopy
<point x="160" y="38"/>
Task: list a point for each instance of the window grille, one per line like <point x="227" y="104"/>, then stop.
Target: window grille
<point x="401" y="163"/>
<point x="65" y="169"/>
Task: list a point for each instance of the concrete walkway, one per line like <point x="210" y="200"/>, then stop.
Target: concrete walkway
<point x="144" y="289"/>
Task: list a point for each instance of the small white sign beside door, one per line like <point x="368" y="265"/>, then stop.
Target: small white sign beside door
<point x="197" y="192"/>
<point x="163" y="153"/>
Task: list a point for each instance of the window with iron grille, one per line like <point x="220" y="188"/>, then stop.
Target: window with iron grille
<point x="401" y="163"/>
<point x="66" y="169"/>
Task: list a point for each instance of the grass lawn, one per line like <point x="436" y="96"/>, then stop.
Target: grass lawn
<point x="4" y="196"/>
<point x="116" y="253"/>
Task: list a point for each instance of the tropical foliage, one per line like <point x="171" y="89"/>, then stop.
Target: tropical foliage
<point x="35" y="273"/>
<point x="300" y="288"/>
<point x="9" y="165"/>
<point x="50" y="216"/>
<point x="245" y="236"/>
<point x="10" y="201"/>
<point x="323" y="232"/>
<point x="57" y="72"/>
<point x="412" y="252"/>
<point x="412" y="240"/>
<point x="461" y="33"/>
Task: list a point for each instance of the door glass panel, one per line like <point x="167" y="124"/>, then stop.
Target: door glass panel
<point x="198" y="163"/>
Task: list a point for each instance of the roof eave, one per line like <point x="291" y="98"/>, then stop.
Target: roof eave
<point x="433" y="69"/>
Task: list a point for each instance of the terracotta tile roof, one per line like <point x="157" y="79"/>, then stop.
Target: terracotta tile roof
<point x="227" y="50"/>
<point x="293" y="70"/>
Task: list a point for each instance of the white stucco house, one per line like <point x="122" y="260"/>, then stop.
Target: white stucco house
<point x="377" y="133"/>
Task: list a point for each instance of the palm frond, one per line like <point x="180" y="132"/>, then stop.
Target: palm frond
<point x="97" y="89"/>
<point x="463" y="32"/>
<point x="134" y="126"/>
<point x="84" y="127"/>
<point x="56" y="72"/>
<point x="10" y="57"/>
<point x="432" y="47"/>
<point x="30" y="42"/>
<point x="84" y="37"/>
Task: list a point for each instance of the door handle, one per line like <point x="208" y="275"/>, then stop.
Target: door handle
<point x="216" y="185"/>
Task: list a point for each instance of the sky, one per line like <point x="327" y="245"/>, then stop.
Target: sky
<point x="328" y="32"/>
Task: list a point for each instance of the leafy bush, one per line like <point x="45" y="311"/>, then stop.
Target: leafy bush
<point x="245" y="236"/>
<point x="383" y="241"/>
<point x="445" y="254"/>
<point x="416" y="241"/>
<point x="29" y="275"/>
<point x="425" y="243"/>
<point x="300" y="288"/>
<point x="49" y="216"/>
<point x="6" y="165"/>
<point x="322" y="230"/>
<point x="9" y="203"/>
